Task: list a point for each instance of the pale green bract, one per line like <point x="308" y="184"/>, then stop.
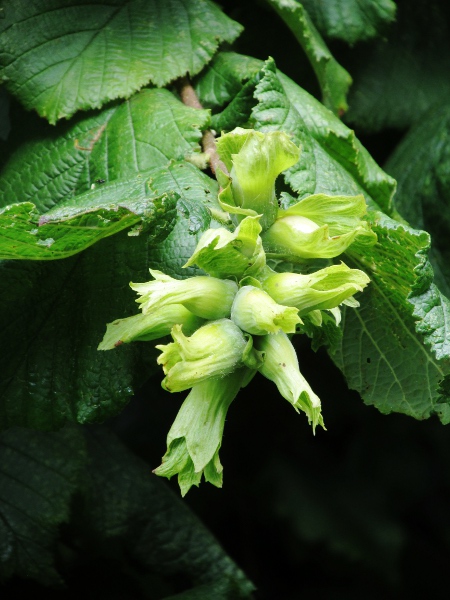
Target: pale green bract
<point x="255" y="160"/>
<point x="319" y="226"/>
<point x="237" y="320"/>
<point x="214" y="350"/>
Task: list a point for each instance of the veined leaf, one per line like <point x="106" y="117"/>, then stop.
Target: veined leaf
<point x="39" y="474"/>
<point x="351" y="20"/>
<point x="82" y="221"/>
<point x="119" y="503"/>
<point x="382" y="356"/>
<point x="333" y="78"/>
<point x="79" y="59"/>
<point x="57" y="190"/>
<point x="333" y="161"/>
<point x="224" y="76"/>
<point x="144" y="132"/>
<point x="421" y="165"/>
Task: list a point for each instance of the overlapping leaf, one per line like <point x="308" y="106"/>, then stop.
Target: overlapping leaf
<point x="421" y="165"/>
<point x="56" y="191"/>
<point x="351" y="20"/>
<point x="333" y="78"/>
<point x="80" y="57"/>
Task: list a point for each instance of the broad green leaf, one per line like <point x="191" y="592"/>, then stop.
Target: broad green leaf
<point x="74" y="225"/>
<point x="381" y="355"/>
<point x="421" y="165"/>
<point x="125" y="501"/>
<point x="351" y="20"/>
<point x="39" y="474"/>
<point x="59" y="187"/>
<point x="54" y="315"/>
<point x="80" y="57"/>
<point x="333" y="78"/>
<point x="4" y="114"/>
<point x="143" y="133"/>
<point x="332" y="161"/>
<point x="398" y="80"/>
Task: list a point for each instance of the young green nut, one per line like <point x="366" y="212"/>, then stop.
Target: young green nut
<point x="319" y="226"/>
<point x="324" y="289"/>
<point x="222" y="254"/>
<point x="203" y="296"/>
<point x="281" y="366"/>
<point x="151" y="326"/>
<point x="195" y="438"/>
<point x="214" y="350"/>
<point x="255" y="160"/>
<point x="257" y="313"/>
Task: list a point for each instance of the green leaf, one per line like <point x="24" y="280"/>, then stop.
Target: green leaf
<point x="78" y="223"/>
<point x="80" y="59"/>
<point x="421" y="165"/>
<point x="381" y="355"/>
<point x="135" y="137"/>
<point x="334" y="80"/>
<point x="332" y="161"/>
<point x="351" y="20"/>
<point x="238" y="112"/>
<point x="143" y="133"/>
<point x="398" y="80"/>
<point x="125" y="501"/>
<point x="4" y="114"/>
<point x="39" y="474"/>
<point x="224" y="77"/>
<point x="54" y="316"/>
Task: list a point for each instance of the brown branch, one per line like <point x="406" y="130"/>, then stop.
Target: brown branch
<point x="190" y="98"/>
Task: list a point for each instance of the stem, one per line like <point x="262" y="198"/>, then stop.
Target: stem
<point x="190" y="98"/>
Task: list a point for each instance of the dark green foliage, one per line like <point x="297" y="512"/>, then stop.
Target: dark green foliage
<point x="91" y="200"/>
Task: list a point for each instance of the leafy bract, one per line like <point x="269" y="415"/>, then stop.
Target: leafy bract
<point x="39" y="474"/>
<point x="333" y="78"/>
<point x="333" y="161"/>
<point x="80" y="59"/>
<point x="351" y="20"/>
<point x="417" y="53"/>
